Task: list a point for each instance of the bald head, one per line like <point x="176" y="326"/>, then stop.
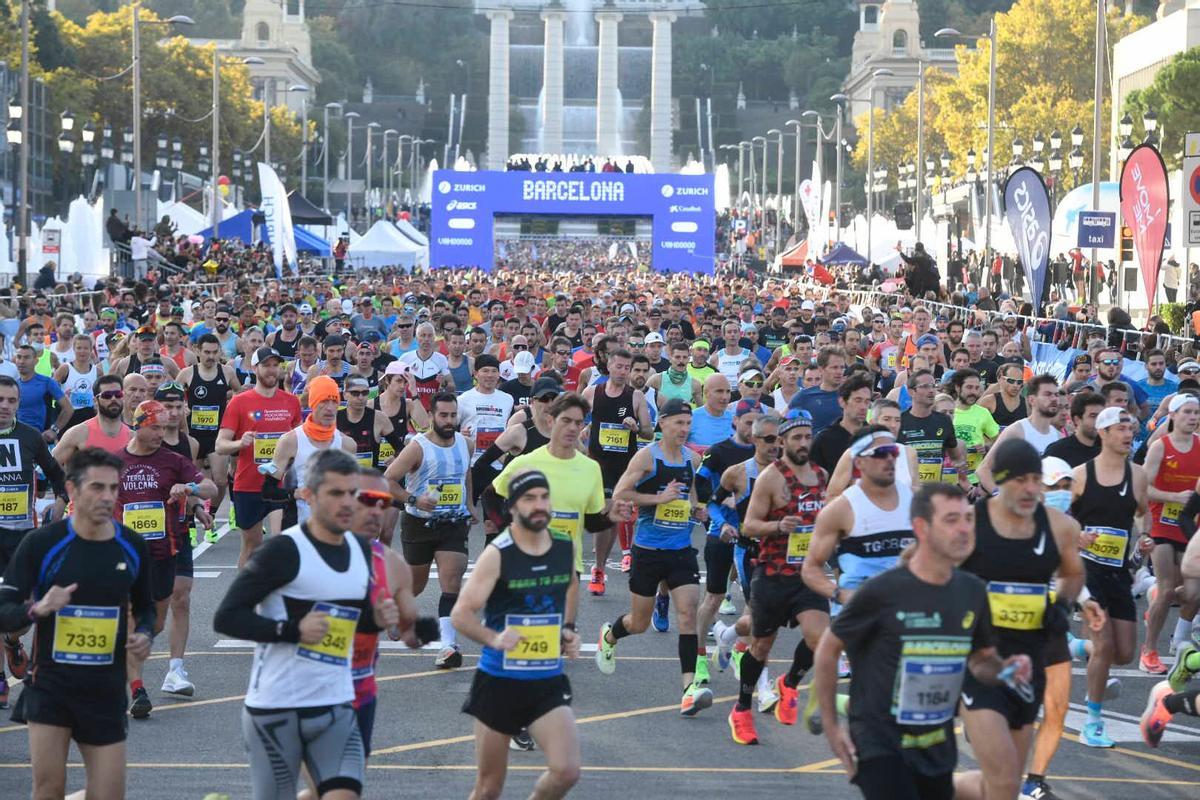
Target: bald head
<point x="716" y="393"/>
<point x="136" y="388"/>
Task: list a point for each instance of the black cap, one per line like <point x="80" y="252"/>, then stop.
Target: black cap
<point x="1014" y="458"/>
<point x="333" y="340"/>
<point x="169" y="391"/>
<point x="526" y="481"/>
<point x="486" y="360"/>
<point x="674" y="406"/>
<point x="543" y="387"/>
<point x="262" y="354"/>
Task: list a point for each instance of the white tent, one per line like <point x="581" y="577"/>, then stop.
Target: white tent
<point x="412" y="233"/>
<point x="187" y="219"/>
<point x="384" y="246"/>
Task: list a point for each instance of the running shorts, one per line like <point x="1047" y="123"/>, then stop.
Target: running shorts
<point x="776" y="601"/>
<point x="184" y="566"/>
<point x="251" y="508"/>
<point x="649" y="567"/>
<point x="419" y="543"/>
<point x="891" y="778"/>
<point x="162" y="577"/>
<point x="1005" y="701"/>
<point x="1112" y="589"/>
<point x="507" y="705"/>
<point x="95" y="712"/>
<point x="718" y="559"/>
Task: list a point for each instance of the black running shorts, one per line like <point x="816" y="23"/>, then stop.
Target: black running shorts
<point x="1005" y="701"/>
<point x="777" y="600"/>
<point x="648" y="567"/>
<point x="96" y="713"/>
<point x="507" y="705"/>
<point x="1112" y="589"/>
<point x="718" y="560"/>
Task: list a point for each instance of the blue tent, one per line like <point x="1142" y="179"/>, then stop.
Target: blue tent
<point x="842" y="254"/>
<point x="242" y="226"/>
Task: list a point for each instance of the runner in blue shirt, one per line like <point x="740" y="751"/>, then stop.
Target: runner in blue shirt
<point x="36" y="389"/>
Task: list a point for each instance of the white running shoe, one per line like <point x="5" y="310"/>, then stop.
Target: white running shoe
<point x="767" y="698"/>
<point x="176" y="682"/>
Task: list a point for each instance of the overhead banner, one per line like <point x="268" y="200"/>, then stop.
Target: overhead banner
<point x="1144" y="199"/>
<point x="279" y="219"/>
<point x="1027" y="208"/>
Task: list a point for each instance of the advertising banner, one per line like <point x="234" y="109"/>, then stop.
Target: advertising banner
<point x="279" y="219"/>
<point x="1027" y="208"/>
<point x="1144" y="199"/>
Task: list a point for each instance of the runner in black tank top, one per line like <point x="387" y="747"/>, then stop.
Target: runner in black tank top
<point x="1108" y="512"/>
<point x="399" y="425"/>
<point x="533" y="438"/>
<point x="1004" y="417"/>
<point x="363" y="434"/>
<point x="206" y="399"/>
<point x="284" y="347"/>
<point x="610" y="442"/>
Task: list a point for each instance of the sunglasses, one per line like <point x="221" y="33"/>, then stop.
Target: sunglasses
<point x="222" y="319"/>
<point x="1189" y="371"/>
<point x="753" y="384"/>
<point x="403" y="325"/>
<point x="637" y="344"/>
<point x="357" y="392"/>
<point x="373" y="499"/>
<point x="923" y="385"/>
<point x="111" y="394"/>
<point x="1014" y="381"/>
<point x="562" y="352"/>
<point x="881" y="452"/>
<point x="1112" y="362"/>
<point x="520" y="347"/>
<point x="770" y="438"/>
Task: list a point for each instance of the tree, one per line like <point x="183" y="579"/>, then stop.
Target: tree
<point x="1175" y="98"/>
<point x="1043" y="82"/>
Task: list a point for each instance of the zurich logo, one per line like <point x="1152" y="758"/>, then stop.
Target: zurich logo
<point x="668" y="190"/>
<point x="443" y="187"/>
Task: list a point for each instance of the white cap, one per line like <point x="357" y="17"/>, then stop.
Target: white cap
<point x="347" y="306"/>
<point x="807" y="305"/>
<point x="1182" y="399"/>
<point x="628" y="308"/>
<point x="305" y="308"/>
<point x="1054" y="469"/>
<point x="523" y="362"/>
<point x="396" y="367"/>
<point x="654" y="337"/>
<point x="1113" y="415"/>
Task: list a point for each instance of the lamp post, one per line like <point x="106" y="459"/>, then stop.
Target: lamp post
<point x="302" y="90"/>
<point x="841" y="98"/>
<point x="350" y="116"/>
<point x="991" y="125"/>
<point x="325" y="156"/>
<point x="371" y="128"/>
<point x="919" y="200"/>
<point x="216" y="133"/>
<point x="400" y="159"/>
<point x="778" y="134"/>
<point x="754" y="182"/>
<point x="387" y="168"/>
<point x="178" y="19"/>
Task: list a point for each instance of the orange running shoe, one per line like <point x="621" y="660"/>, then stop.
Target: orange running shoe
<point x="1149" y="663"/>
<point x="787" y="710"/>
<point x="741" y="726"/>
<point x="1155" y="717"/>
<point x="596" y="585"/>
<point x="626" y="562"/>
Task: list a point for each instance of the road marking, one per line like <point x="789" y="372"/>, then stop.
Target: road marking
<point x="206" y="574"/>
<point x="201" y="548"/>
<point x="1125" y="728"/>
<point x="1123" y="673"/>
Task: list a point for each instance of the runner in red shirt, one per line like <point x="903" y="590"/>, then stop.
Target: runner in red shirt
<point x="253" y="422"/>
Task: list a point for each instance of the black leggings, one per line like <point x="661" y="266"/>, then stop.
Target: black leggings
<point x="889" y="778"/>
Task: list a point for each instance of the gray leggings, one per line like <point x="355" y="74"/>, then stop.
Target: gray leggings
<point x="326" y="738"/>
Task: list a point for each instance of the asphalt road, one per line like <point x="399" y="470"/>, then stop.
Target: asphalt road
<point x="634" y="741"/>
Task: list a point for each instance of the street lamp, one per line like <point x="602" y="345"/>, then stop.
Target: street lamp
<point x="350" y="116"/>
<point x="302" y="90"/>
<point x="178" y="19"/>
<point x="388" y="172"/>
<point x="372" y="126"/>
<point x="1125" y="125"/>
<point x="753" y="183"/>
<point x="1125" y="148"/>
<point x="991" y="124"/>
<point x="1077" y="136"/>
<point x="841" y="98"/>
<point x="216" y="132"/>
<point x="778" y="134"/>
<point x="88" y="132"/>
<point x="325" y="152"/>
<point x="106" y="149"/>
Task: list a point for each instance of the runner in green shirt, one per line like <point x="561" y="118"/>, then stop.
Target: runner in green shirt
<point x="973" y="424"/>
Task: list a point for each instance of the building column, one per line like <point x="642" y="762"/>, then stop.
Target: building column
<point x="497" y="148"/>
<point x="608" y="123"/>
<point x="552" y="82"/>
<point x="660" y="91"/>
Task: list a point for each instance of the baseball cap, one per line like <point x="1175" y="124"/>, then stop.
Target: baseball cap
<point x="747" y="406"/>
<point x="673" y="407"/>
<point x="262" y="354"/>
<point x="169" y="391"/>
<point x="347" y="306"/>
<point x="789" y="359"/>
<point x="1113" y="415"/>
<point x="486" y="360"/>
<point x="1182" y="399"/>
<point x="628" y="308"/>
<point x="396" y="368"/>
<point x="807" y="305"/>
<point x="1082" y="358"/>
<point x="108" y="312"/>
<point x="794" y="418"/>
<point x="928" y="338"/>
<point x="545" y="386"/>
<point x="654" y="337"/>
<point x="147" y="332"/>
<point x="747" y="374"/>
<point x="305" y="308"/>
<point x="1054" y="469"/>
<point x="333" y="340"/>
<point x="523" y="362"/>
<point x="1014" y="458"/>
<point x="372" y="336"/>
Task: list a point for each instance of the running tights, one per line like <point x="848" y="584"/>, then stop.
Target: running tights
<point x="689" y="648"/>
<point x="326" y="738"/>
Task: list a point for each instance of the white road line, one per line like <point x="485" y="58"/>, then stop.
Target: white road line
<point x="206" y="574"/>
<point x="1122" y="673"/>
<point x="384" y="644"/>
<point x="200" y="549"/>
<point x="1124" y="727"/>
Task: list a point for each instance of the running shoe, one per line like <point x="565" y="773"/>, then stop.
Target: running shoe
<point x="140" y="707"/>
<point x="767" y="699"/>
<point x="695" y="699"/>
<point x="626" y="562"/>
<point x="741" y="726"/>
<point x="1077" y="648"/>
<point x="192" y="539"/>
<point x="176" y="682"/>
<point x="1180" y="674"/>
<point x="1150" y="663"/>
<point x="522" y="741"/>
<point x="1155" y="717"/>
<point x="3" y="692"/>
<point x="1092" y="735"/>
<point x="724" y="651"/>
<point x="1036" y="790"/>
<point x="449" y="657"/>
<point x="701" y="676"/>
<point x="735" y="660"/>
<point x="727" y="609"/>
<point x="232" y="516"/>
<point x="606" y="654"/>
<point x="1112" y="689"/>
<point x="18" y="661"/>
<point x="210" y="535"/>
<point x="596" y="584"/>
<point x="788" y="707"/>
<point x="661" y="616"/>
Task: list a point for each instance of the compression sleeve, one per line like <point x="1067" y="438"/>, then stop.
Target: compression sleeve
<point x="17" y="585"/>
<point x="705" y="479"/>
<point x="594" y="523"/>
<point x="1187" y="517"/>
<point x="275" y="563"/>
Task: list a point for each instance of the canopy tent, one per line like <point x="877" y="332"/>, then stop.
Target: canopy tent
<point x="242" y="226"/>
<point x="796" y="256"/>
<point x="411" y="233"/>
<point x="384" y="246"/>
<point x="187" y="219"/>
<point x="305" y="213"/>
<point x="842" y="254"/>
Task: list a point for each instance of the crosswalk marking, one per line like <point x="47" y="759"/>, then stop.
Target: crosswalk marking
<point x="206" y="573"/>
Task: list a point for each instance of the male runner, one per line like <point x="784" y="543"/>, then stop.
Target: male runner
<point x="1038" y="428"/>
<point x="366" y="428"/>
<point x="484" y="410"/>
<point x="676" y="382"/>
<point x="1083" y="445"/>
<point x="974" y="426"/>
<point x="520" y="583"/>
<point x="435" y="468"/>
<point x="783" y="508"/>
<point x="1172" y="468"/>
<point x="80" y="581"/>
<point x="250" y="429"/>
<point x="284" y="339"/>
<point x="302" y="598"/>
<point x="930" y="433"/>
<point x="914" y="634"/>
<point x="155" y="485"/>
<point x="660" y="482"/>
<point x="619" y="413"/>
<point x="105" y="430"/>
<point x="1020" y="544"/>
<point x="209" y="385"/>
<point x="1108" y="493"/>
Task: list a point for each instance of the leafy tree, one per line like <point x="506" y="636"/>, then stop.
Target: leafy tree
<point x="1175" y="97"/>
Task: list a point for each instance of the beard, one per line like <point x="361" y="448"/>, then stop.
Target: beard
<point x="109" y="412"/>
<point x="446" y="432"/>
<point x="798" y="456"/>
<point x="535" y="523"/>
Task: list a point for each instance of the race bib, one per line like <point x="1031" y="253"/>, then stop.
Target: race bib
<point x="14" y="502"/>
<point x="974" y="457"/>
<point x="949" y="473"/>
<point x="540" y="647"/>
<point x="929" y="689"/>
<point x="449" y="495"/>
<point x="1109" y="548"/>
<point x="1171" y="513"/>
<point x="929" y="470"/>
<point x="613" y="438"/>
<point x="797" y="544"/>
<point x="486" y="437"/>
<point x="264" y="447"/>
<point x="148" y="519"/>
<point x="890" y="360"/>
<point x="386" y="453"/>
<point x="82" y="398"/>
<point x="335" y="648"/>
<point x="565" y="523"/>
<point x="365" y="460"/>
<point x="85" y="635"/>
<point x="1017" y="606"/>
<point x="675" y="515"/>
<point x="204" y="418"/>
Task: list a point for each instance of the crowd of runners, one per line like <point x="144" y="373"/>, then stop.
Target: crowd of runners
<point x="940" y="524"/>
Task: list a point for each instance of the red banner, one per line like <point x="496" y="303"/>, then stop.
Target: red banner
<point x="1144" y="209"/>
